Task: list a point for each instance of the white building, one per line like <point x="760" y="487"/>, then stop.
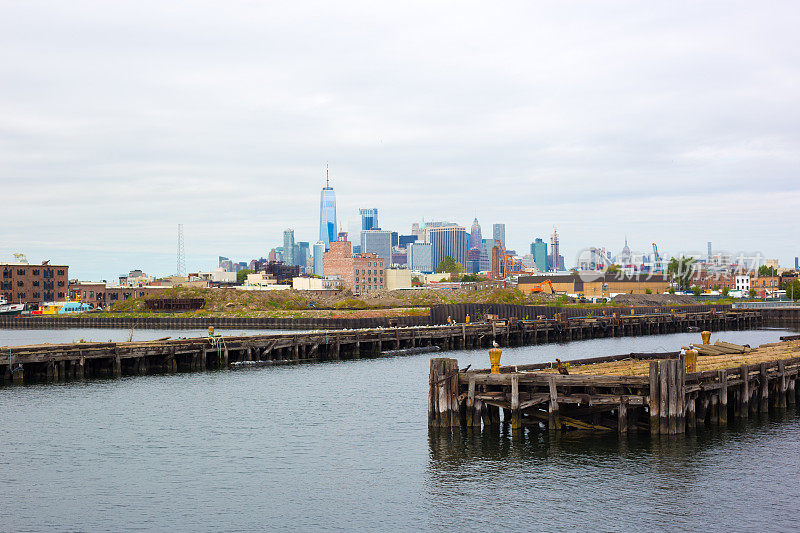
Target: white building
<point x="742" y="284"/>
<point x="398" y="278"/>
<point x="331" y="283"/>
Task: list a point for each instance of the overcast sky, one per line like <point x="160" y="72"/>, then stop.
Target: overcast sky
<point x="676" y="123"/>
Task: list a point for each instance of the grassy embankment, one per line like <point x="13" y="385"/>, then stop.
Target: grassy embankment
<point x="300" y="304"/>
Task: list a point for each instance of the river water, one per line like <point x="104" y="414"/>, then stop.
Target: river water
<point x="345" y="446"/>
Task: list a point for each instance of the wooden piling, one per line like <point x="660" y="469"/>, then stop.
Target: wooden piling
<point x="663" y="395"/>
<point x="443" y="393"/>
<point x="782" y="385"/>
<point x="763" y="404"/>
<point x="654" y="400"/>
<point x="471" y="403"/>
<point x="723" y="397"/>
<point x="622" y="415"/>
<point x="516" y="414"/>
<point x="691" y="414"/>
<point x="744" y="393"/>
<point x="554" y="420"/>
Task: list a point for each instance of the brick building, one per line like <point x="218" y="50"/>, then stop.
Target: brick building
<point x="765" y="285"/>
<point x="100" y="295"/>
<point x="360" y="273"/>
<point x="33" y="284"/>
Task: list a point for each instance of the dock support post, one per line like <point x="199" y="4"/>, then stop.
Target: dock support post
<point x="443" y="393"/>
<point x="723" y="397"/>
<point x="763" y="402"/>
<point x="782" y="388"/>
<point x="672" y="384"/>
<point x="117" y="366"/>
<point x="18" y="374"/>
<point x="516" y="414"/>
<point x="714" y="407"/>
<point x="744" y="394"/>
<point x="471" y="403"/>
<point x="790" y="394"/>
<point x="80" y="365"/>
<point x="554" y="420"/>
<point x="481" y="412"/>
<point x="663" y="396"/>
<point x="691" y="414"/>
<point x="622" y="415"/>
<point x="680" y="383"/>
<point x="654" y="402"/>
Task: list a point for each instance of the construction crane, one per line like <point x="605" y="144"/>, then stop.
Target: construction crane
<point x="509" y="265"/>
<point x="658" y="259"/>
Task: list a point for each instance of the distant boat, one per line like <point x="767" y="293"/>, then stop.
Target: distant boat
<point x="7" y="309"/>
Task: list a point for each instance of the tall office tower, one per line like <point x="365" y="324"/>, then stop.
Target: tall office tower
<point x="499" y="233"/>
<point x="486" y="255"/>
<point x="419" y="257"/>
<point x="319" y="249"/>
<point x="555" y="258"/>
<point x="539" y="253"/>
<point x="222" y="260"/>
<point x="378" y="242"/>
<point x="288" y="247"/>
<point x="327" y="213"/>
<point x="475" y="240"/>
<point x="369" y="219"/>
<point x="709" y="252"/>
<point x="448" y="241"/>
<point x="301" y="251"/>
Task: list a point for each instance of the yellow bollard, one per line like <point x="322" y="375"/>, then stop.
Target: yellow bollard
<point x="691" y="360"/>
<point x="467" y="319"/>
<point x="494" y="359"/>
<point x="633" y="311"/>
<point x="706" y="335"/>
<point x="210" y="331"/>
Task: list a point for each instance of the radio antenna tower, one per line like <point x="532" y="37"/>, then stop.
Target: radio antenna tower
<point x="181" y="271"/>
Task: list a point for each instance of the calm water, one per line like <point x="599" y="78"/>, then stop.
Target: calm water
<point x="345" y="446"/>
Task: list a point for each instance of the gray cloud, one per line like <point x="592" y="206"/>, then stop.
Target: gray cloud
<point x="675" y="123"/>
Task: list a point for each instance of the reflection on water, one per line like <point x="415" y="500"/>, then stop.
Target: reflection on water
<point x="601" y="481"/>
<point x="345" y="446"/>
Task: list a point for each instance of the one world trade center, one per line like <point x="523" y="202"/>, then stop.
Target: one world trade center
<point x="327" y="213"/>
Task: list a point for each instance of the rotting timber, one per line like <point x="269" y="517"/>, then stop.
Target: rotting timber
<point x="58" y="362"/>
<point x="634" y="392"/>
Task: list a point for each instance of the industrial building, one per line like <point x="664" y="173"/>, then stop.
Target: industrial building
<point x="596" y="284"/>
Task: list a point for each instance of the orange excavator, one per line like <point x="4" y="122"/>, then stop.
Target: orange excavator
<point x="546" y="287"/>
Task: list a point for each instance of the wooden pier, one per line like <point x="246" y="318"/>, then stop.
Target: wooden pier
<point x="58" y="362"/>
<point x="652" y="393"/>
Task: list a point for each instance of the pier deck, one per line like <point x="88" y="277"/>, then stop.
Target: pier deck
<point x="631" y="392"/>
<point x="58" y="362"/>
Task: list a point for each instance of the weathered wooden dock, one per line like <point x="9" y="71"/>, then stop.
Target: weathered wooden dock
<point x="633" y="392"/>
<point x="56" y="362"/>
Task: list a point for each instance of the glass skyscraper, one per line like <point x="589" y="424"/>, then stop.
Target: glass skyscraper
<point x="369" y="219"/>
<point x="327" y="214"/>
